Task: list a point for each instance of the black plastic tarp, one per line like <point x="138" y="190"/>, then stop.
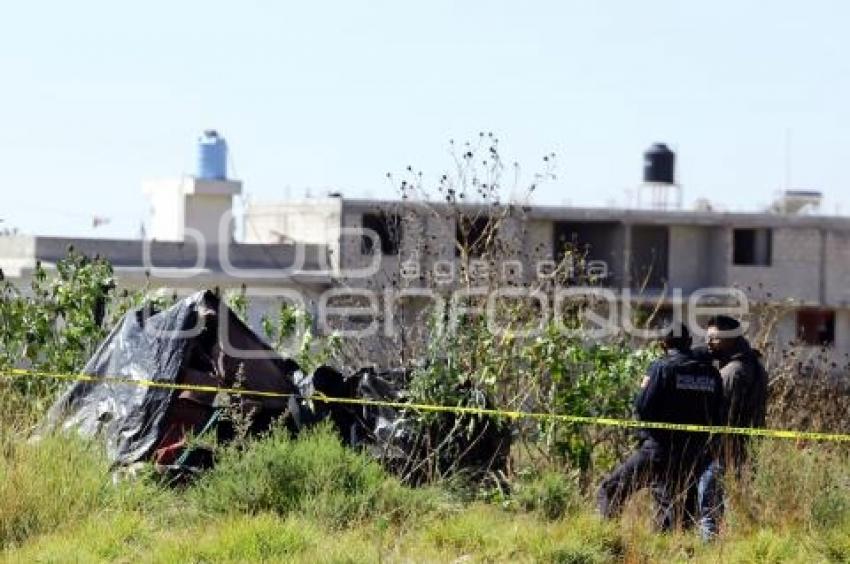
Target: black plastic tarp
<point x="162" y="346"/>
<point x="199" y="340"/>
<point x="416" y="449"/>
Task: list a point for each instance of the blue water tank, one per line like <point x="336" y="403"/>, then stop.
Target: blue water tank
<point x="212" y="156"/>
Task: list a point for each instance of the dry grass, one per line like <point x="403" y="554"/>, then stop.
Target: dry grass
<point x="57" y="504"/>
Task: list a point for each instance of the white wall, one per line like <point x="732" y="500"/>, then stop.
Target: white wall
<point x="188" y="202"/>
<point x="308" y="221"/>
<point x="167" y="200"/>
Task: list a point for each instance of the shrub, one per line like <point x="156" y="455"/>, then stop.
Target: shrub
<point x="59" y="324"/>
<point x="552" y="494"/>
<point x="312" y="476"/>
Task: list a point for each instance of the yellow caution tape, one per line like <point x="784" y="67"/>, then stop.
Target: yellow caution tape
<point x="465" y="410"/>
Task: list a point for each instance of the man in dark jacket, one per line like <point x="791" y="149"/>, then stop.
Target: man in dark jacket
<point x="744" y="405"/>
<point x="744" y="385"/>
<point x="678" y="388"/>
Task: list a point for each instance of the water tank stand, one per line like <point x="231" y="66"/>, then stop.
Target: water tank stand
<point x="662" y="195"/>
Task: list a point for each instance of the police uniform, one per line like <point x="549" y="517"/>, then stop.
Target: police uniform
<point x="679" y="388"/>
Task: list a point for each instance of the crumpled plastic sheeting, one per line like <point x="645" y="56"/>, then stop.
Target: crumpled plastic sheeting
<point x="393" y="435"/>
<point x="143" y="346"/>
<point x="162" y="347"/>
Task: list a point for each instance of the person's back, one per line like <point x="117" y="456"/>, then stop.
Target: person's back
<point x="682" y="389"/>
<point x="679" y="388"/>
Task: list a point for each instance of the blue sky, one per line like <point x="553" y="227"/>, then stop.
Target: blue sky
<point x="97" y="97"/>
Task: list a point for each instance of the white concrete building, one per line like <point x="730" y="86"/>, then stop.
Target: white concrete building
<point x="191" y="208"/>
<point x="189" y="245"/>
<point x="797" y="261"/>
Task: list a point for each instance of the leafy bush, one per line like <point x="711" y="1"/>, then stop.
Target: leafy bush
<point x="313" y="476"/>
<point x="290" y="334"/>
<point x="552" y="494"/>
<point x="57" y="325"/>
<point x="586" y="379"/>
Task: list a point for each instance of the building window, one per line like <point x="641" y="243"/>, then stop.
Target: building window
<point x="387" y="227"/>
<point x="816" y="327"/>
<point x="650" y="260"/>
<point x="472" y="234"/>
<point x="752" y="247"/>
<point x="590" y="247"/>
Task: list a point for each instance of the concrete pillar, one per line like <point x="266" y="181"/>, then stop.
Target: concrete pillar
<point x="627" y="255"/>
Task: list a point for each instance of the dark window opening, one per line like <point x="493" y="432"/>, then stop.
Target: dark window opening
<point x="816" y="327"/>
<point x="752" y="247"/>
<point x="650" y="256"/>
<point x="388" y="229"/>
<point x="472" y="234"/>
<point x="589" y="243"/>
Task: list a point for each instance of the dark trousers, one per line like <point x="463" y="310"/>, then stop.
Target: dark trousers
<point x="678" y="482"/>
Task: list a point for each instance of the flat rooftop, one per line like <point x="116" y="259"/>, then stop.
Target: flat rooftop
<point x="19" y="253"/>
<point x="573" y="213"/>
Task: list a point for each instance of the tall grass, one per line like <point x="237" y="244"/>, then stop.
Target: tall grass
<point x="794" y="486"/>
<point x="313" y="500"/>
<point x="57" y="482"/>
<point x="313" y="477"/>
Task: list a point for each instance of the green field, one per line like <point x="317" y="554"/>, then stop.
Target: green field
<point x="312" y="500"/>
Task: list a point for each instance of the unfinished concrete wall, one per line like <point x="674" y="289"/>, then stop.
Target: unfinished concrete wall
<point x="538" y="246"/>
<point x="17" y="255"/>
<point x="785" y="330"/>
<point x="837" y="267"/>
<point x="842" y="333"/>
<point x="649" y="257"/>
<point x="696" y="257"/>
<point x="363" y="267"/>
<point x="785" y="338"/>
<point x="717" y="257"/>
<point x="794" y="271"/>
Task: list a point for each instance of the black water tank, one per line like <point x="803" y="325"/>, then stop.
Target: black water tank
<point x="659" y="164"/>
